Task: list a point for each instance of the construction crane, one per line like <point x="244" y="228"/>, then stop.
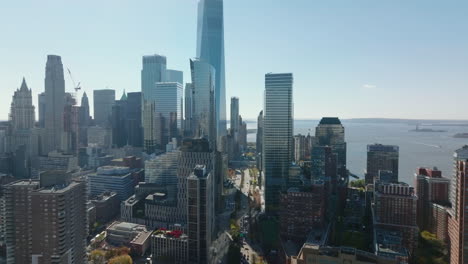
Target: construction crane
<point x="75" y="86"/>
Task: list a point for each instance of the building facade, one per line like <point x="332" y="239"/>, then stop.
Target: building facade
<point x="200" y="213"/>
<point x="55" y="103"/>
<point x="381" y="157"/>
<point x="104" y="100"/>
<point x="210" y="48"/>
<point x="457" y="214"/>
<point x="168" y="107"/>
<point x="46" y="223"/>
<point x="277" y="135"/>
<point x="203" y="81"/>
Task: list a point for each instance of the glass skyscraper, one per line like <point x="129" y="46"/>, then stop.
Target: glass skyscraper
<point x="277" y="135"/>
<point x="153" y="71"/>
<point x="168" y="107"/>
<point x="203" y="81"/>
<point x="210" y="48"/>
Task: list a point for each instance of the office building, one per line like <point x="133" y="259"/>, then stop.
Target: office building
<point x="136" y="237"/>
<point x="55" y="103"/>
<point x="457" y="214"/>
<point x="188" y="101"/>
<point x="235" y="114"/>
<point x="302" y="147"/>
<point x="259" y="141"/>
<point x="169" y="245"/>
<point x="153" y="71"/>
<point x="394" y="209"/>
<point x="302" y="210"/>
<point x="200" y="213"/>
<point x="103" y="101"/>
<point x="84" y="120"/>
<point x="203" y="81"/>
<point x="41" y="100"/>
<point x="277" y="135"/>
<point x="70" y="136"/>
<point x="330" y="132"/>
<point x="22" y="118"/>
<point x="112" y="179"/>
<point x="210" y="48"/>
<point x="381" y="157"/>
<point x="154" y="205"/>
<point x="193" y="152"/>
<point x="162" y="169"/>
<point x="46" y="223"/>
<point x="168" y="107"/>
<point x="134" y="124"/>
<point x="107" y="206"/>
<point x="174" y="76"/>
<point x="119" y="122"/>
<point x="431" y="188"/>
<point x="242" y="135"/>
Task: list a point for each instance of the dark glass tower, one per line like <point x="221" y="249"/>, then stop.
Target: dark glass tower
<point x="210" y="49"/>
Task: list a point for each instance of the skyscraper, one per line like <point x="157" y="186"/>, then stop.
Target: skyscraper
<point x="174" y="76"/>
<point x="458" y="214"/>
<point x="22" y="118"/>
<point x="119" y="122"/>
<point x="277" y="135"/>
<point x="55" y="103"/>
<point x="168" y="107"/>
<point x="188" y="124"/>
<point x="210" y="48"/>
<point x="41" y="100"/>
<point x="381" y="157"/>
<point x="134" y="124"/>
<point x="235" y="114"/>
<point x="203" y="81"/>
<point x="45" y="221"/>
<point x="153" y="71"/>
<point x="84" y="120"/>
<point x="103" y="101"/>
<point x="330" y="132"/>
<point x="200" y="212"/>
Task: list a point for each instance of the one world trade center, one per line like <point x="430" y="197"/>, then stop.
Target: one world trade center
<point x="210" y="49"/>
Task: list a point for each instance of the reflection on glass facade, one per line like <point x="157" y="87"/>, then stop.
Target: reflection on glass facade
<point x="154" y="70"/>
<point x="203" y="81"/>
<point x="169" y="101"/>
<point x="210" y="48"/>
<point x="277" y="135"/>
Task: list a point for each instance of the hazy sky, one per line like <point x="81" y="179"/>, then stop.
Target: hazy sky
<point x="360" y="58"/>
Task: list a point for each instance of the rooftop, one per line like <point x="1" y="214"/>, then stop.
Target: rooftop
<point x="330" y="121"/>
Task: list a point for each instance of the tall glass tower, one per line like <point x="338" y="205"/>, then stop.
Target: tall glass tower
<point x="210" y="49"/>
<point x="277" y="136"/>
<point x="203" y="81"/>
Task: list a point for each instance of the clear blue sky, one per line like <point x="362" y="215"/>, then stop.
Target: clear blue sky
<point x="361" y="58"/>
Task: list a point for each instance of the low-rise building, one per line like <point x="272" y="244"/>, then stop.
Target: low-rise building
<point x="112" y="179"/>
<point x="107" y="206"/>
<point x="128" y="234"/>
<point x="169" y="245"/>
<point x="302" y="210"/>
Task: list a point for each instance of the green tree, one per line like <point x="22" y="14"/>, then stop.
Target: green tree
<point x="122" y="259"/>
